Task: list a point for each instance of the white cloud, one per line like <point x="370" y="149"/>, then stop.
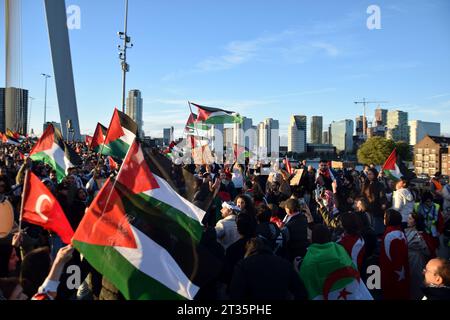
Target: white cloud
<point x="290" y="45"/>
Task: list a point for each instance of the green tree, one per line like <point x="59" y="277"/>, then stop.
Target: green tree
<point x="375" y="150"/>
<point x="404" y="151"/>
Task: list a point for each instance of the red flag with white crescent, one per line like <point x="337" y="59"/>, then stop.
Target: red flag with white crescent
<point x="41" y="208"/>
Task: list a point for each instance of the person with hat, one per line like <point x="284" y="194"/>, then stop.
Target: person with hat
<point x="226" y="228"/>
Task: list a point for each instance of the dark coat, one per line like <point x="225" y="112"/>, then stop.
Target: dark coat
<point x="437" y="293"/>
<point x="297" y="236"/>
<point x="264" y="276"/>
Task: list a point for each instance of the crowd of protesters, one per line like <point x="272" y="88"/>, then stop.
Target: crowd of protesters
<point x="258" y="225"/>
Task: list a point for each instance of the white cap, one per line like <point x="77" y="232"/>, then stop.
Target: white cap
<point x="231" y="206"/>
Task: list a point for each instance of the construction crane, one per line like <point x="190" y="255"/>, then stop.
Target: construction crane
<point x="365" y="103"/>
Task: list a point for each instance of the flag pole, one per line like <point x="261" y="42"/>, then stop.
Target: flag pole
<point x="24" y="192"/>
<point x="103" y="144"/>
<point x="195" y="122"/>
<point x="195" y="125"/>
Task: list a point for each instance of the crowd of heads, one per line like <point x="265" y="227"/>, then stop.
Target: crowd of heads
<point x="249" y="215"/>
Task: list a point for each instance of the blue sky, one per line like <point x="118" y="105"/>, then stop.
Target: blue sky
<point x="260" y="58"/>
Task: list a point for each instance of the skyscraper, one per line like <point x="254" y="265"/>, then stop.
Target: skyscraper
<point x="16" y="110"/>
<point x="419" y="129"/>
<point x="325" y="137"/>
<point x="244" y="134"/>
<point x="342" y="135"/>
<point x="359" y="126"/>
<point x="380" y="117"/>
<point x="168" y="136"/>
<point x="297" y="134"/>
<point x="316" y="129"/>
<point x="134" y="109"/>
<point x="397" y="126"/>
<point x="269" y="136"/>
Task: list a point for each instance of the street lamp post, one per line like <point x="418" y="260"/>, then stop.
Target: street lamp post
<point x="46" y="76"/>
<point x="123" y="54"/>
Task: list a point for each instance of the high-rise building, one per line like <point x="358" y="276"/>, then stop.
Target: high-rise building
<point x="297" y="134"/>
<point x="316" y="129"/>
<point x="325" y="137"/>
<point x="397" y="126"/>
<point x="2" y="110"/>
<point x="342" y="135"/>
<point x="380" y="117"/>
<point x="419" y="129"/>
<point x="244" y="134"/>
<point x="269" y="137"/>
<point x="228" y="135"/>
<point x="16" y="110"/>
<point x="216" y="135"/>
<point x="168" y="136"/>
<point x="359" y="126"/>
<point x="134" y="109"/>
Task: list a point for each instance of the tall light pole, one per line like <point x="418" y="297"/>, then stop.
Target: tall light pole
<point x="123" y="54"/>
<point x="46" y="76"/>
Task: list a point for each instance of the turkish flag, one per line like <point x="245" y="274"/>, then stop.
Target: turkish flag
<point x="41" y="208"/>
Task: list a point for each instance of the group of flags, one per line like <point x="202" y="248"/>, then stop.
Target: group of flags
<point x="12" y="138"/>
<point x="141" y="232"/>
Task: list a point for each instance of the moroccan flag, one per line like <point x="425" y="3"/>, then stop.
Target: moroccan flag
<point x="216" y="116"/>
<point x="121" y="133"/>
<point x="329" y="274"/>
<point x="52" y="150"/>
<point x="395" y="169"/>
<point x="144" y="237"/>
<point x="99" y="137"/>
<point x="288" y="166"/>
<point x="193" y="124"/>
<point x="41" y="208"/>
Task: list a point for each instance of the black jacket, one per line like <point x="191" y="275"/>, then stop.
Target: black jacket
<point x="297" y="236"/>
<point x="264" y="276"/>
<point x="437" y="293"/>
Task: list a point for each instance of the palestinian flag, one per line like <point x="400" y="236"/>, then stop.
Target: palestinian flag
<point x="121" y="133"/>
<point x="99" y="138"/>
<point x="144" y="237"/>
<point x="395" y="169"/>
<point x="328" y="273"/>
<point x="41" y="208"/>
<point x="52" y="150"/>
<point x="216" y="116"/>
<point x="112" y="164"/>
<point x="178" y="177"/>
<point x="288" y="166"/>
<point x="88" y="140"/>
<point x="240" y="152"/>
<point x="193" y="124"/>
